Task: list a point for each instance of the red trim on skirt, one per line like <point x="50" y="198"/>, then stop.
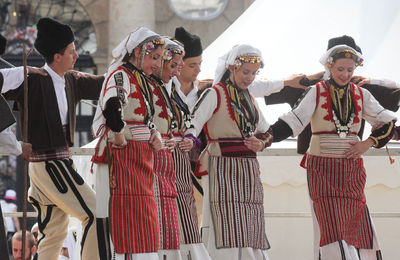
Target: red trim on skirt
<point x="336" y="188"/>
<point x="133" y="214"/>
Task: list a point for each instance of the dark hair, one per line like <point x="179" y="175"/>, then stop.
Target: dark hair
<point x="49" y="59"/>
<point x="153" y="39"/>
<point x="128" y="56"/>
<point x="225" y="76"/>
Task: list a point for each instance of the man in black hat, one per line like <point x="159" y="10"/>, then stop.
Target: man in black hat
<point x="57" y="191"/>
<point x="186" y="83"/>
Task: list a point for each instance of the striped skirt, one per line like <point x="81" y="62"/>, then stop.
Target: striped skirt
<point x="165" y="195"/>
<point x="336" y="188"/>
<point x="133" y="215"/>
<point x="187" y="212"/>
<point x="236" y="202"/>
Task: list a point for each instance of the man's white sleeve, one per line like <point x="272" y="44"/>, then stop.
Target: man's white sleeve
<point x="301" y="115"/>
<point x="385" y="83"/>
<point x="9" y="144"/>
<point x="13" y="78"/>
<point x="263" y="87"/>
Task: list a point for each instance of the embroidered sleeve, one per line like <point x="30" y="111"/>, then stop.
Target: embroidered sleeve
<point x="396" y="133"/>
<point x="266" y="138"/>
<point x="115" y="97"/>
<point x="203" y="111"/>
<point x="302" y="112"/>
<point x="112" y="113"/>
<point x="281" y="130"/>
<point x="382" y="135"/>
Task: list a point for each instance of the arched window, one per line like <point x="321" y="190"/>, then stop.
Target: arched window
<point x="19" y="17"/>
<point x="198" y="9"/>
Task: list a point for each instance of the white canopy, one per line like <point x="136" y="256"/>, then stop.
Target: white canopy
<point x="292" y="35"/>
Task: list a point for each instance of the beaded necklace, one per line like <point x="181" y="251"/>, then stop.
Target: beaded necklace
<point x="245" y="113"/>
<point x="342" y="108"/>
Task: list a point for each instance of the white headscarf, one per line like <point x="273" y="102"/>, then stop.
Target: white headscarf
<point x="134" y="39"/>
<point x="230" y="57"/>
<point x="332" y="51"/>
<point x="171" y="48"/>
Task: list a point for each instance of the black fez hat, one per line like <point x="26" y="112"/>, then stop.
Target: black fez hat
<point x="347" y="40"/>
<point x="52" y="36"/>
<point x="191" y="42"/>
<point x="3" y="42"/>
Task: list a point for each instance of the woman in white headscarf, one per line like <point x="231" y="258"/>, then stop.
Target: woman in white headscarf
<point x="233" y="225"/>
<point x="336" y="176"/>
<point x="165" y="120"/>
<point x="128" y="139"/>
<point x="191" y="247"/>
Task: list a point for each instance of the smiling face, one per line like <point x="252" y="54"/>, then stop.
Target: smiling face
<point x="152" y="61"/>
<point x="342" y="71"/>
<point x="244" y="75"/>
<point x="172" y="68"/>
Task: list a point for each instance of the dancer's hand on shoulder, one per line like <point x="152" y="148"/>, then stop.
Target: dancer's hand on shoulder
<point x="34" y="70"/>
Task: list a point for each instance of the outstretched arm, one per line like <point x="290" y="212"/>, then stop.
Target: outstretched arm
<point x="264" y="87"/>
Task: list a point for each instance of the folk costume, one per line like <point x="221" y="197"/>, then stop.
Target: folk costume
<point x="56" y="189"/>
<point x="165" y="192"/>
<point x="233" y="225"/>
<point x="191" y="246"/>
<point x="126" y="106"/>
<point x="343" y="228"/>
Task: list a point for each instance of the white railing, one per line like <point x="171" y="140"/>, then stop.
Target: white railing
<point x="266" y="215"/>
<point x="268" y="152"/>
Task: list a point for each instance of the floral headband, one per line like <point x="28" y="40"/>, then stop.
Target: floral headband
<point x="348" y="54"/>
<point x="169" y="53"/>
<point x="256" y="60"/>
<point x="152" y="45"/>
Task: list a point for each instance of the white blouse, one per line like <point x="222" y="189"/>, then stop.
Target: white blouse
<point x="206" y="109"/>
<point x="301" y="115"/>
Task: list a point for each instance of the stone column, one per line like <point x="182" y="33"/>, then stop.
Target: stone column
<point x="98" y="13"/>
<point x="125" y="16"/>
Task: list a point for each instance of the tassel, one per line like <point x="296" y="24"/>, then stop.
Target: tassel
<point x="392" y="160"/>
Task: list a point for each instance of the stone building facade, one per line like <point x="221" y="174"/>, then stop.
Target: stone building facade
<point x="114" y="19"/>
